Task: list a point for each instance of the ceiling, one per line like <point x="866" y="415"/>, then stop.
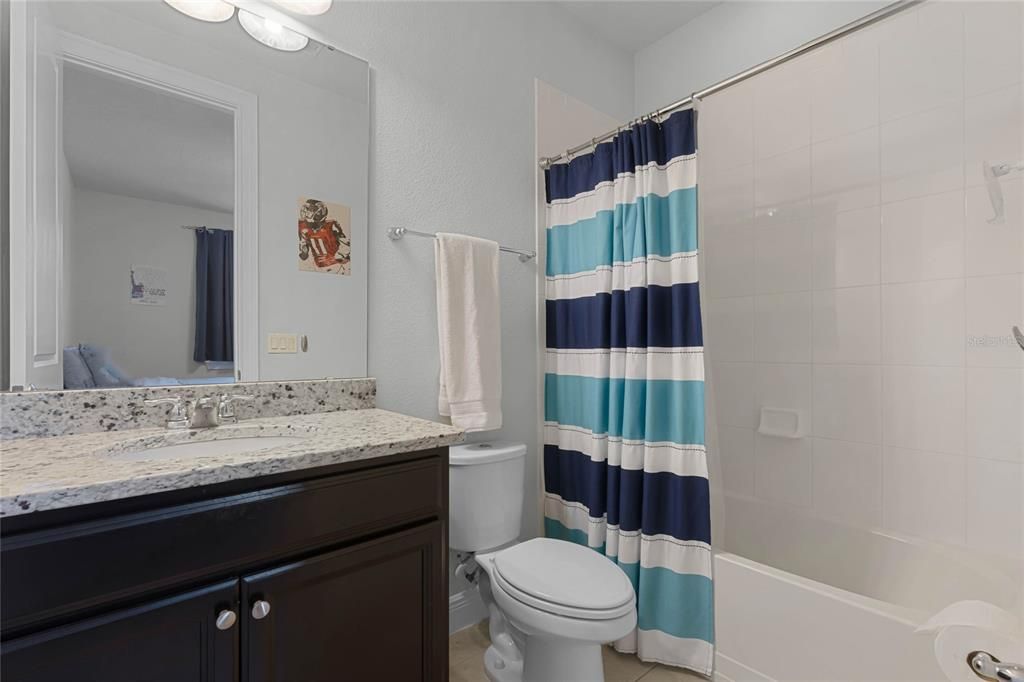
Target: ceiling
<point x="637" y="24"/>
<point x="129" y="139"/>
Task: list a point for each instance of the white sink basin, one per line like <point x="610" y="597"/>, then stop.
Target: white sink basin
<point x="206" y="448"/>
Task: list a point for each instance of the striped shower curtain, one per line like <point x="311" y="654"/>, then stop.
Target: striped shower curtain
<point x="625" y="468"/>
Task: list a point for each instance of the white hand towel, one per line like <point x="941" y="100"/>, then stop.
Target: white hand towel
<point x="469" y="331"/>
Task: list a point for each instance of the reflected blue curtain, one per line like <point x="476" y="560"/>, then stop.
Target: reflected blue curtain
<point x="625" y="468"/>
<point x="215" y="277"/>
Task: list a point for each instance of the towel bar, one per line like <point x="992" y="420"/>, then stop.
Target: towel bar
<point x="396" y="233"/>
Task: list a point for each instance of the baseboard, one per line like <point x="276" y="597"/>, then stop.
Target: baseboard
<point x="465" y="609"/>
<point x="730" y="670"/>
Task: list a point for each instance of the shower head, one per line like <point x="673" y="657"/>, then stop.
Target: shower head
<point x="992" y="172"/>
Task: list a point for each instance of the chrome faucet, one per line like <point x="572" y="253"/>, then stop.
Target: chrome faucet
<point x="226" y="407"/>
<point x="201" y="413"/>
<point x="178" y="417"/>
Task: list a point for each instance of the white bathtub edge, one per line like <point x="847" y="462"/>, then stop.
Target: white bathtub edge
<point x="729" y="670"/>
<point x="906" y="616"/>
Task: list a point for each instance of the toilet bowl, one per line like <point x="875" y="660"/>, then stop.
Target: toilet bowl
<point x="552" y="603"/>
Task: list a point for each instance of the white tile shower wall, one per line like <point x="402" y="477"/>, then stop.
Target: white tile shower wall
<point x="853" y="274"/>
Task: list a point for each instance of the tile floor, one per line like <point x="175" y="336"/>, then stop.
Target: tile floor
<point x="466" y="662"/>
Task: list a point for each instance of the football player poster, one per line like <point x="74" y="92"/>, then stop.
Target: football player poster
<point x="325" y="237"/>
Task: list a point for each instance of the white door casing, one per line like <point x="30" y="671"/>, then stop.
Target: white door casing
<point x="36" y="199"/>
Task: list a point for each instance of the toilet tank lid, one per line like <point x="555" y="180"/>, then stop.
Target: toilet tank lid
<point x="484" y="453"/>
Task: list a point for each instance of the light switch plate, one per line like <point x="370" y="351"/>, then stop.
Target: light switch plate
<point x="282" y="343"/>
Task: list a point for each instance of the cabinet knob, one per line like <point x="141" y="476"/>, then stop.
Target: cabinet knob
<point x="225" y="619"/>
<point x="261" y="609"/>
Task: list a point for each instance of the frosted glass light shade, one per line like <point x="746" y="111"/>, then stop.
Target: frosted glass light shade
<point x="307" y="7"/>
<point x="271" y="33"/>
<point x="204" y="10"/>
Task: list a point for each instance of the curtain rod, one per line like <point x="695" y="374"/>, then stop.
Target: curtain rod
<point x="658" y="114"/>
<point x="203" y="227"/>
<point x="396" y="233"/>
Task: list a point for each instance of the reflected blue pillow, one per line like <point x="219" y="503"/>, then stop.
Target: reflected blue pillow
<point x="104" y="372"/>
<point x="76" y="372"/>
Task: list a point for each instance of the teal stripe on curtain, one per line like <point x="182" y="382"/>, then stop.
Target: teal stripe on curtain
<point x="677" y="603"/>
<point x="554" y="529"/>
<point x="627" y="232"/>
<point x="655" y="410"/>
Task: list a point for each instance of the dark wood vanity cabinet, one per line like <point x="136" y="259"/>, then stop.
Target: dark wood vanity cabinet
<point x="331" y="574"/>
<point x="166" y="639"/>
<point x="365" y="613"/>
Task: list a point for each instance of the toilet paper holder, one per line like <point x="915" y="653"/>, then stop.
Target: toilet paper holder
<point x="987" y="666"/>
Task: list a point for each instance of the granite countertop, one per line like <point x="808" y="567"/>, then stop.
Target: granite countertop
<point x="38" y="474"/>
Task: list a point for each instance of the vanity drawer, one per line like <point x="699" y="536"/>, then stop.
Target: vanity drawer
<point x="53" y="575"/>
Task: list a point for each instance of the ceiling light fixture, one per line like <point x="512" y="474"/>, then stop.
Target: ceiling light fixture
<point x="310" y="8"/>
<point x="271" y="33"/>
<point x="204" y="10"/>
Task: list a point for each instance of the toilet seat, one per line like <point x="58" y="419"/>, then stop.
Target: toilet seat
<point x="564" y="579"/>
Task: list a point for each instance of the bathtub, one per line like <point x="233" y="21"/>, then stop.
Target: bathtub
<point x="799" y="598"/>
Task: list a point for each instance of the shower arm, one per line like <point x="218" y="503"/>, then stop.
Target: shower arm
<point x="1001" y="169"/>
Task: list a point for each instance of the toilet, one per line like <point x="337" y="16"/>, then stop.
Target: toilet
<point x="552" y="603"/>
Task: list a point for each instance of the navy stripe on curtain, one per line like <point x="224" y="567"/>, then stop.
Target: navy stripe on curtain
<point x="638" y="318"/>
<point x="659" y="503"/>
<point x="215" y="283"/>
<point x="650" y="142"/>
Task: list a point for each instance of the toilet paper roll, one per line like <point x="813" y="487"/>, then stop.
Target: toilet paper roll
<point x="979" y="614"/>
<point x="954" y="643"/>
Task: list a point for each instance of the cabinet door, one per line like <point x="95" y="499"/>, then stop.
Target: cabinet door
<point x="374" y="611"/>
<point x="170" y="640"/>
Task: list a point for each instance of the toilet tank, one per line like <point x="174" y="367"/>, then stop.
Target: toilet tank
<point x="485" y="495"/>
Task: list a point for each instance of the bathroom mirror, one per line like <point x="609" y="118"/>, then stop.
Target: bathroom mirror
<point x="192" y="203"/>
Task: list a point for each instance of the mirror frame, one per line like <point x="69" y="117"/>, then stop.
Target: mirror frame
<point x="242" y="105"/>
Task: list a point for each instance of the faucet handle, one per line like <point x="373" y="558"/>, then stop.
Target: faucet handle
<point x="176" y="400"/>
<point x="225" y="408"/>
<point x="226" y="399"/>
<point x="178" y="416"/>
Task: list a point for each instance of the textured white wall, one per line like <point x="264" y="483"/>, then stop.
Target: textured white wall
<point x="108" y="234"/>
<point x="453" y="149"/>
<point x="732" y="37"/>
